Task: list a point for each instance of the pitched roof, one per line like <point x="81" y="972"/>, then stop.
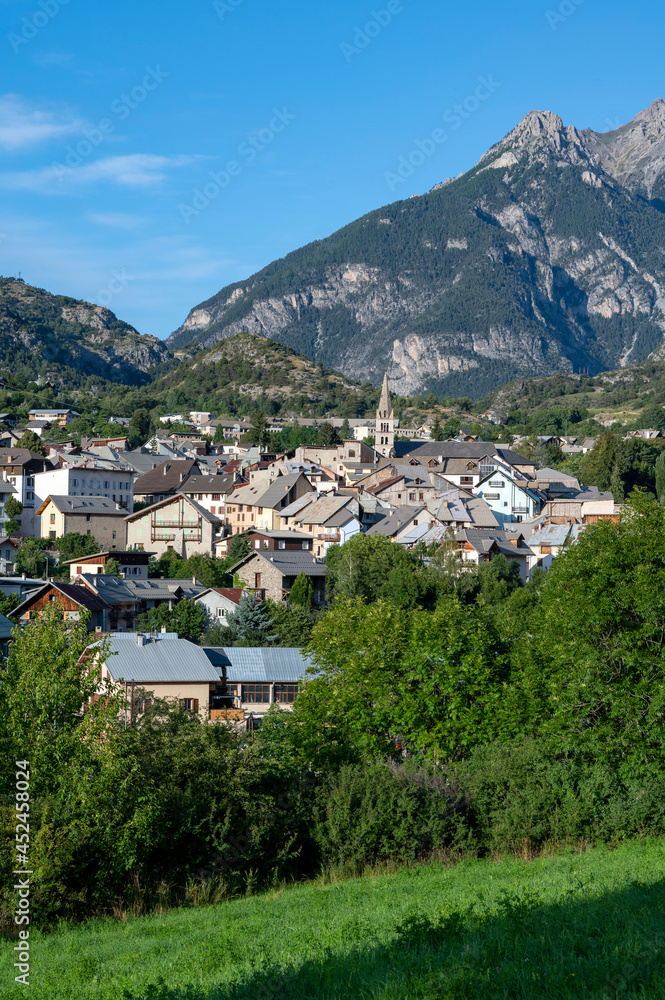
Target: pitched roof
<point x="320" y="511"/>
<point x="205" y="514"/>
<point x="214" y="483"/>
<point x="288" y="563"/>
<point x="279" y="488"/>
<point x="18" y="456"/>
<point x="164" y="659"/>
<point x="389" y="526"/>
<point x="167" y="477"/>
<point x="260" y="664"/>
<point x="96" y="506"/>
<point x="298" y="505"/>
<point x="80" y="595"/>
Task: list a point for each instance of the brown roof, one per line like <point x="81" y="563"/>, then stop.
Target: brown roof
<point x="80" y="595"/>
<point x="230" y="593"/>
<point x="167" y="477"/>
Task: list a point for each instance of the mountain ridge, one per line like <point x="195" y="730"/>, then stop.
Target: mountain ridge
<point x="546" y="256"/>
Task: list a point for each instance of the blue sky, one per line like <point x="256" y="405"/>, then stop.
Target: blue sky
<point x="152" y="153"/>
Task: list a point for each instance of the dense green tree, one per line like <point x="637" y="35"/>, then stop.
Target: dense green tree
<point x="13" y="510"/>
<point x="8" y="602"/>
<point x="592" y="671"/>
<point x="429" y="681"/>
<point x="73" y="545"/>
<point x="345" y="431"/>
<point x="239" y="547"/>
<point x="112" y="567"/>
<point x="327" y="436"/>
<point x="660" y="477"/>
<point x="31" y="441"/>
<point x="438" y="432"/>
<point x="302" y="592"/>
<point x="139" y="427"/>
<point x="372" y="566"/>
<point x="599" y="462"/>
<point x="258" y="435"/>
<point x="31" y="558"/>
<point x="250" y="623"/>
<point x="291" y="624"/>
<point x="188" y="619"/>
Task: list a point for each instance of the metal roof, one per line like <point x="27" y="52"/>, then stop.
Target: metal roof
<point x="85" y="505"/>
<point x="279" y="488"/>
<point x="298" y="505"/>
<point x="259" y="663"/>
<point x="164" y="659"/>
<point x="321" y="510"/>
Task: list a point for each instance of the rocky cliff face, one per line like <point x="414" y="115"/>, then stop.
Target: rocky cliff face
<point x="71" y="340"/>
<point x="547" y="256"/>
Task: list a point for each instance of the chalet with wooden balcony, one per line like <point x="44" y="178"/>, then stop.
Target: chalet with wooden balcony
<point x="177" y="524"/>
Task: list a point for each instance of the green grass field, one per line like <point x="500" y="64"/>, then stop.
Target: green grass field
<point x="574" y="925"/>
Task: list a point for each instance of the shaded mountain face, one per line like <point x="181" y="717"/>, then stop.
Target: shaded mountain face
<point x="547" y="256"/>
<point x="69" y="340"/>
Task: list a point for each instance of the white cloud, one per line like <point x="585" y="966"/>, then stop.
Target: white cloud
<point x="23" y="126"/>
<point x="117" y="220"/>
<point x="138" y="170"/>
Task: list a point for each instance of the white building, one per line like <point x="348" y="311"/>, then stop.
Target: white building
<point x="509" y="497"/>
<point x="220" y="602"/>
<point x="83" y="481"/>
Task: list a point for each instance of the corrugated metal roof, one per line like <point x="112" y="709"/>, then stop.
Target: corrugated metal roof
<point x="260" y="664"/>
<point x="165" y="659"/>
<point x="298" y="505"/>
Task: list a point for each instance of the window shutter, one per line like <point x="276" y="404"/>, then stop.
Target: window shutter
<point x="195" y="705"/>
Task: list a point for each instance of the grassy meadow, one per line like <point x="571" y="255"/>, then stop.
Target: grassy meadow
<point x="588" y="924"/>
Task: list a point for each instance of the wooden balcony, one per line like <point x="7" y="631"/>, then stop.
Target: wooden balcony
<point x="227" y="715"/>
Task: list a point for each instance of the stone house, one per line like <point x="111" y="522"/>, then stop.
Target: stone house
<point x="272" y="574"/>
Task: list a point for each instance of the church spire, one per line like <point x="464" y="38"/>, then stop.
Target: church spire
<point x="385" y="403"/>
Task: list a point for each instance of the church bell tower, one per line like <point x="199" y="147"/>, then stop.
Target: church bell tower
<point x="385" y="422"/>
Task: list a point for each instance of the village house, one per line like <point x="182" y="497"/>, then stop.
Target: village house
<point x="210" y="491"/>
<point x="62" y="416"/>
<point x="287" y="540"/>
<point x="219" y="603"/>
<point x="272" y="573"/>
<point x="160" y="665"/>
<point x="259" y="505"/>
<point x="548" y="540"/>
<point x="475" y="546"/>
<point x="132" y="564"/>
<point x="89" y="515"/>
<point x="8" y="549"/>
<point x="509" y="497"/>
<point x="164" y="481"/>
<point x="19" y="467"/>
<point x="176" y="524"/>
<point x="401" y="524"/>
<point x="74" y="601"/>
<point x="258" y="677"/>
<point x="85" y="480"/>
<point x="397" y="484"/>
<point x="330" y="519"/>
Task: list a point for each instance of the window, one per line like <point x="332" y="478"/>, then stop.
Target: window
<point x="191" y="704"/>
<point x="113" y="533"/>
<point x="52" y="519"/>
<point x="240" y="508"/>
<point x="286" y="694"/>
<point x="421" y="496"/>
<point x="217" y="496"/>
<point x="88" y="517"/>
<point x="412" y="496"/>
<point x="466" y="480"/>
<point x="221" y="612"/>
<point x="492" y="496"/>
<point x="257" y="544"/>
<point x="498" y="484"/>
<point x="352" y="453"/>
<point x="79" y="569"/>
<point x="282" y="543"/>
<point x="260" y="510"/>
<point x="51" y="534"/>
<point x="546" y="550"/>
<point x="256" y="694"/>
<point x="305" y="546"/>
<point x="257" y="581"/>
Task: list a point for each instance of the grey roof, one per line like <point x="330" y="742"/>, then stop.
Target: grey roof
<point x="260" y="664"/>
<point x="165" y="659"/>
<point x="294" y="536"/>
<point x="322" y="509"/>
<point x="87" y="505"/>
<point x="142" y="462"/>
<point x="298" y="505"/>
<point x="273" y="496"/>
<point x="214" y="483"/>
<point x="289" y="563"/>
<point x="166" y="477"/>
<point x="389" y="526"/>
<point x="116" y="590"/>
<point x="6" y="487"/>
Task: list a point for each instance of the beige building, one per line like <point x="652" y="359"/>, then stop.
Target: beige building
<point x="178" y="524"/>
<point x="259" y="505"/>
<point x="97" y="516"/>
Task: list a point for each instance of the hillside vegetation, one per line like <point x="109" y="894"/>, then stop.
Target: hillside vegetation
<point x="577" y="925"/>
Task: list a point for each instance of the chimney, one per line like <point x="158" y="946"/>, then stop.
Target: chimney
<point x="163" y="629"/>
<point x="140" y="640"/>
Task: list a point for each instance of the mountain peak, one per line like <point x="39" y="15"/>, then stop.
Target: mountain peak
<point x="634" y="154"/>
